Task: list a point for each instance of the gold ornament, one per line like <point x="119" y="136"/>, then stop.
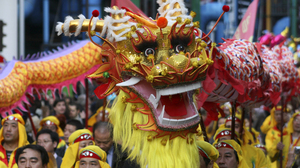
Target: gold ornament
<point x="149" y="138"/>
<point x="193" y="14"/>
<point x="150" y="78"/>
<point x="164" y="142"/>
<point x="209" y="61"/>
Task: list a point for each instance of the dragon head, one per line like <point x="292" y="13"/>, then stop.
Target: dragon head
<point x="157" y="66"/>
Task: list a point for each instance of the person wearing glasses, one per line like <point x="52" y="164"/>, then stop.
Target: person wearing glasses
<point x="49" y="140"/>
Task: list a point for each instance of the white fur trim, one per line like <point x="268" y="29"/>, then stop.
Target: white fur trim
<point x="113" y="11"/>
<point x="95" y="19"/>
<point x="78" y="28"/>
<point x="58" y="28"/>
<point x="66" y="25"/>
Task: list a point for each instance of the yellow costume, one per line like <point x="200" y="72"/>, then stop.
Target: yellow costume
<point x="93" y="152"/>
<point x="52" y="120"/>
<point x="71" y="156"/>
<point x="22" y="140"/>
<point x="288" y="140"/>
<point x="253" y="156"/>
<point x="273" y="134"/>
<point x="208" y="151"/>
<point x="236" y="147"/>
<point x="270" y="120"/>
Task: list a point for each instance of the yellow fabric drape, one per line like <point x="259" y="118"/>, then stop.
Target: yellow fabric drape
<point x="98" y="151"/>
<point x="53" y="119"/>
<point x="22" y="138"/>
<point x="70" y="157"/>
<point x="237" y="148"/>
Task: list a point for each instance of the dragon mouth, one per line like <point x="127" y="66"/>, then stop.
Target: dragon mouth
<point x="172" y="107"/>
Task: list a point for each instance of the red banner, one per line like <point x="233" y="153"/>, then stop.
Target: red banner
<point x="246" y="27"/>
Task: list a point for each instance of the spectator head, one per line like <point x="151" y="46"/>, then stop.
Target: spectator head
<point x="74" y="110"/>
<point x="33" y="156"/>
<point x="230" y="154"/>
<point x="208" y="154"/>
<point x="47" y="139"/>
<point x="53" y="124"/>
<point x="71" y="126"/>
<point x="13" y="129"/>
<point x="59" y="106"/>
<point x="91" y="156"/>
<point x="103" y="135"/>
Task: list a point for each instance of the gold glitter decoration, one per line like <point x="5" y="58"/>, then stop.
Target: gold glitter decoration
<point x="93" y="33"/>
<point x="149" y="138"/>
<point x="124" y="99"/>
<point x="128" y="66"/>
<point x="196" y="24"/>
<point x="150" y="57"/>
<point x="187" y="21"/>
<point x="133" y="108"/>
<point x="150" y="78"/>
<point x="203" y="44"/>
<point x="164" y="142"/>
<point x="118" y="51"/>
<point x="195" y="64"/>
<point x="193" y="14"/>
<point x="133" y="28"/>
<point x="134" y="126"/>
<point x="209" y="61"/>
<point x="179" y="20"/>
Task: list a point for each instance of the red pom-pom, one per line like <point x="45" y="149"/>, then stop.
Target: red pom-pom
<point x="226" y="8"/>
<point x="95" y="13"/>
<point x="162" y="22"/>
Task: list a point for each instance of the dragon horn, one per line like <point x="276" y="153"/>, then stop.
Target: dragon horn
<point x="78" y="25"/>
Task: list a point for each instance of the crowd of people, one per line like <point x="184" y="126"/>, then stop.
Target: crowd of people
<point x="267" y="146"/>
<point x="62" y="141"/>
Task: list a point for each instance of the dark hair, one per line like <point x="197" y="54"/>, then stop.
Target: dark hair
<point x="103" y="124"/>
<point x="236" y="156"/>
<point x="78" y="106"/>
<point x="40" y="149"/>
<point x="206" y="160"/>
<point x="57" y="101"/>
<point x="75" y="123"/>
<point x="53" y="135"/>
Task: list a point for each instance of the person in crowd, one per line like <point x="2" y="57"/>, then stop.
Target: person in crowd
<point x="52" y="123"/>
<point x="49" y="140"/>
<point x="91" y="156"/>
<point x="12" y="136"/>
<point x="230" y="155"/>
<point x="103" y="137"/>
<point x="74" y="111"/>
<point x="208" y="154"/>
<point x="71" y="126"/>
<point x="290" y="141"/>
<point x="33" y="156"/>
<point x="274" y="133"/>
<point x="59" y="107"/>
<point x="77" y="140"/>
<point x="254" y="157"/>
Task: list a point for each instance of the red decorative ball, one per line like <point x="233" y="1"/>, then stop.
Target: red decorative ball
<point x="162" y="22"/>
<point x="226" y="8"/>
<point x="95" y="13"/>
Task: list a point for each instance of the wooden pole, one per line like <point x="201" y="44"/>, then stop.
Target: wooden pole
<point x="233" y="107"/>
<point x="86" y="102"/>
<point x="30" y="119"/>
<point x="203" y="129"/>
<point x="281" y="130"/>
<point x="103" y="110"/>
<point x="243" y="120"/>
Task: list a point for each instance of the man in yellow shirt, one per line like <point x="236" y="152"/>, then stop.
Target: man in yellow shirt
<point x="290" y="140"/>
<point x="52" y="123"/>
<point x="253" y="156"/>
<point x="12" y="136"/>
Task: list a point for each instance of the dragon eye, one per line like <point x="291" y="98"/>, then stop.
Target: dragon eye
<point x="149" y="51"/>
<point x="179" y="48"/>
